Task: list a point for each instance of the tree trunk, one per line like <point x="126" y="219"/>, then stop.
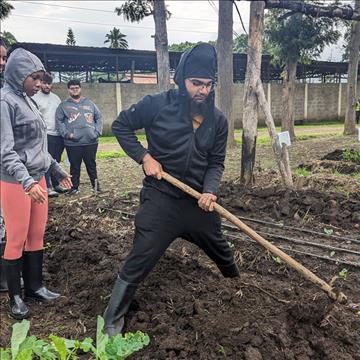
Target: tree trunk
<point x="161" y="45"/>
<point x="349" y="126"/>
<point x="225" y="64"/>
<point x="287" y="121"/>
<point x="280" y="151"/>
<point x="250" y="112"/>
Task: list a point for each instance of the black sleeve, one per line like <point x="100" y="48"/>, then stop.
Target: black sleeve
<point x="216" y="159"/>
<point x="138" y="116"/>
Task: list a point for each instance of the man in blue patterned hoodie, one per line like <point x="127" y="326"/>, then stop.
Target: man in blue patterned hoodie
<point x="79" y="122"/>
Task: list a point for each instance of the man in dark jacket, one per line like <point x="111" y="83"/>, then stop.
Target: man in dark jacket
<point x="186" y="137"/>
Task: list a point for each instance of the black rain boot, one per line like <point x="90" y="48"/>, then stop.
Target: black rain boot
<point x="33" y="280"/>
<point x="229" y="271"/>
<point x="3" y="283"/>
<point x="121" y="297"/>
<point x="18" y="309"/>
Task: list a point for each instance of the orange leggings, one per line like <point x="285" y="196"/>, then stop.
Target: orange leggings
<point x="25" y="220"/>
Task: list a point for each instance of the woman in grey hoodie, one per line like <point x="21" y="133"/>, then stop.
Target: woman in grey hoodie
<point x="24" y="161"/>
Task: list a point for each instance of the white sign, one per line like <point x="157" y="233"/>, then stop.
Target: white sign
<point x="284" y="138"/>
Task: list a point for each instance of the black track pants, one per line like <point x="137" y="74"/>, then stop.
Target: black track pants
<point x="76" y="155"/>
<point x="160" y="220"/>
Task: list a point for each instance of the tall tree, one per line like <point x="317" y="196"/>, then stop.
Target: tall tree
<point x="291" y="39"/>
<point x="116" y="39"/>
<point x="354" y="48"/>
<point x="225" y="64"/>
<point x="70" y="38"/>
<point x="250" y="111"/>
<point x="137" y="10"/>
<point x="5" y="9"/>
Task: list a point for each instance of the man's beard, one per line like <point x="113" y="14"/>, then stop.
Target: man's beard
<point x="75" y="96"/>
<point x="198" y="108"/>
<point x="45" y="91"/>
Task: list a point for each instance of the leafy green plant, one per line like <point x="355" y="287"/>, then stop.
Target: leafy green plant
<point x="351" y="155"/>
<point x="357" y="176"/>
<point x="300" y="171"/>
<point x="119" y="347"/>
<point x="344" y="273"/>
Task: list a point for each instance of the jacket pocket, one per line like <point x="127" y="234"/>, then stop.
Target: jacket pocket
<point x="35" y="160"/>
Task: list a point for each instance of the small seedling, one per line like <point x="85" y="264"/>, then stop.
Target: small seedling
<point x="277" y="259"/>
<point x="328" y="231"/>
<point x="344" y="273"/>
<point x="222" y="350"/>
<point x="231" y="244"/>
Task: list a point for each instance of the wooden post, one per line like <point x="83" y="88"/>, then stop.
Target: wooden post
<point x="132" y="71"/>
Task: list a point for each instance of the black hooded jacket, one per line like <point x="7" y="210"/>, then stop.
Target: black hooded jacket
<point x="194" y="157"/>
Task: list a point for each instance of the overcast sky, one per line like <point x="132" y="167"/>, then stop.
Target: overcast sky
<point x="48" y="22"/>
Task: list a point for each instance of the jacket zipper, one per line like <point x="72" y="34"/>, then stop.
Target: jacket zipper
<point x="187" y="163"/>
<point x="39" y="117"/>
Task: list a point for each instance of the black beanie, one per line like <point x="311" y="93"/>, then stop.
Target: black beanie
<point x="201" y="62"/>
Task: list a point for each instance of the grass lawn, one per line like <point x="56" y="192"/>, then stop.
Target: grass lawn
<point x="303" y="132"/>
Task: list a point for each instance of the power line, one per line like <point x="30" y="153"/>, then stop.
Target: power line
<point x="103" y="24"/>
<point x="105" y="11"/>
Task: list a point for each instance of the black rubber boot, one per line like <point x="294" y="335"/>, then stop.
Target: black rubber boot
<point x="32" y="275"/>
<point x="18" y="309"/>
<point x="3" y="283"/>
<point x="229" y="271"/>
<point x="121" y="297"/>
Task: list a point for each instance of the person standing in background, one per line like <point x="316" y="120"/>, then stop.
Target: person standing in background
<point x="48" y="102"/>
<point x="79" y="122"/>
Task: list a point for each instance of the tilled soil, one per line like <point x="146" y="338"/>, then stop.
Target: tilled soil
<point x="188" y="309"/>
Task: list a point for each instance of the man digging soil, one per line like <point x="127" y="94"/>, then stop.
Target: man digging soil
<point x="186" y="137"/>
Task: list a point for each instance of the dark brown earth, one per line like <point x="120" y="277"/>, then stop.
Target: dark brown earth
<point x="188" y="309"/>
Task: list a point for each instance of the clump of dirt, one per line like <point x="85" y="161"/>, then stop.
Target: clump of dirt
<point x="188" y="309"/>
<point x="343" y="154"/>
<point x="342" y="167"/>
<point x="293" y="205"/>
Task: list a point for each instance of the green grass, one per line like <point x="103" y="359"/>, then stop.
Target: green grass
<point x="302" y="172"/>
<point x="304" y="126"/>
<point x="110" y="154"/>
<point x="265" y="139"/>
<point x="108" y="139"/>
<point x="357" y="176"/>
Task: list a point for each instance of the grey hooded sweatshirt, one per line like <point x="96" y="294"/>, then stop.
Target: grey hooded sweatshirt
<point x="24" y="155"/>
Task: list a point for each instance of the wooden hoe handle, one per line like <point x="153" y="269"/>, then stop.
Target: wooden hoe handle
<point x="340" y="297"/>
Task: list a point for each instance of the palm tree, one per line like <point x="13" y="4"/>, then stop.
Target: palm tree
<point x="137" y="10"/>
<point x="5" y="9"/>
<point x="116" y="39"/>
